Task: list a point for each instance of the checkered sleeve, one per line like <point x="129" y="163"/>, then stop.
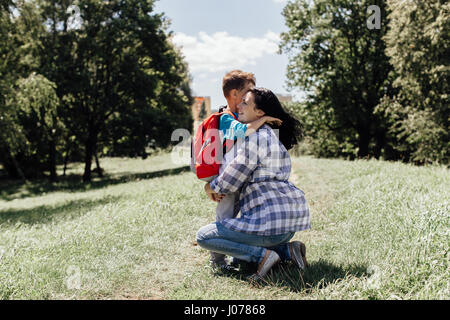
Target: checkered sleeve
<point x="243" y="165"/>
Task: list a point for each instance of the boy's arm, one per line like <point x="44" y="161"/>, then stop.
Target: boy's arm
<point x="234" y="129"/>
<point x="255" y="125"/>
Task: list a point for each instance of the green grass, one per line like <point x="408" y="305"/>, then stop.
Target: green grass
<point x="380" y="230"/>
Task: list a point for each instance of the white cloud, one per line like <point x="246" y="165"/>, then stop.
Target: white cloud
<point x="221" y="51"/>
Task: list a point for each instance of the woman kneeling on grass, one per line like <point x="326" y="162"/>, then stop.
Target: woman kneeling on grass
<point x="272" y="208"/>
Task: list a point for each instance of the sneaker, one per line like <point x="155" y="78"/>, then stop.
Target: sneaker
<point x="235" y="262"/>
<point x="243" y="266"/>
<point x="270" y="259"/>
<point x="221" y="266"/>
<point x="297" y="251"/>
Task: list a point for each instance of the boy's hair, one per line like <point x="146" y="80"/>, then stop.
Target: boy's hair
<point x="236" y="79"/>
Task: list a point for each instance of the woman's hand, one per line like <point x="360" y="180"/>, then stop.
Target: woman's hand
<point x="273" y="121"/>
<point x="214" y="196"/>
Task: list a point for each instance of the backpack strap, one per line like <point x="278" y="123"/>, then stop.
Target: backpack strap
<point x="227" y="143"/>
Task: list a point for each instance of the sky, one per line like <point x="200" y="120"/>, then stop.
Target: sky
<point x="217" y="36"/>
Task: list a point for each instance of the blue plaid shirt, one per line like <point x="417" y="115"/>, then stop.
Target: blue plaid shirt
<point x="269" y="203"/>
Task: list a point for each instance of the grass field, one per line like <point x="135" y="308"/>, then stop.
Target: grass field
<point x="380" y="230"/>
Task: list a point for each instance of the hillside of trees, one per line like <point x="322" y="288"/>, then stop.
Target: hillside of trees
<point x="90" y="78"/>
<point x="378" y="91"/>
<point x="79" y="80"/>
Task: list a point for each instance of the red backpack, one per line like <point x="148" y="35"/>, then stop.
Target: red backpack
<point x="207" y="148"/>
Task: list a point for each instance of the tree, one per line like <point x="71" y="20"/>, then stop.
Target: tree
<point x="123" y="81"/>
<point x="342" y="66"/>
<point x="18" y="52"/>
<point x="102" y="76"/>
<point x="7" y="124"/>
<point x="37" y="105"/>
<point x="418" y="46"/>
<point x="150" y="124"/>
<point x="5" y="5"/>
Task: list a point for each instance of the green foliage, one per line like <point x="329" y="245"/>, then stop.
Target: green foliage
<point x="342" y="66"/>
<point x="17" y="51"/>
<point x="125" y="81"/>
<point x="4" y="5"/>
<point x="150" y="123"/>
<point x="381" y="93"/>
<point x="320" y="138"/>
<point x="418" y="46"/>
<point x="106" y="74"/>
<point x="37" y="106"/>
<point x="36" y="98"/>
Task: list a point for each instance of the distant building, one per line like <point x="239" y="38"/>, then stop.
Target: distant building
<point x="201" y="109"/>
<point x="284" y="97"/>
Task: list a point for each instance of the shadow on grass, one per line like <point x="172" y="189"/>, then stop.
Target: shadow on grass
<point x="46" y="214"/>
<point x="10" y="190"/>
<point x="317" y="276"/>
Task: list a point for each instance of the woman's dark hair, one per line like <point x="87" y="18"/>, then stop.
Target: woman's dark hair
<point x="291" y="130"/>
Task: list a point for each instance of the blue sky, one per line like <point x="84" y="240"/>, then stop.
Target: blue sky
<point x="217" y="36"/>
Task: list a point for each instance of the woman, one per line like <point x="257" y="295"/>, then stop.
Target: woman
<point x="272" y="208"/>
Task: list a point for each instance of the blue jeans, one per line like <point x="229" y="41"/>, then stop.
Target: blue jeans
<point x="245" y="246"/>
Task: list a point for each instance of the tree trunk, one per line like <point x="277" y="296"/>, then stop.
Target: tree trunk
<point x="11" y="165"/>
<point x="18" y="169"/>
<point x="89" y="153"/>
<point x="87" y="164"/>
<point x="99" y="169"/>
<point x="66" y="160"/>
<point x="380" y="142"/>
<point x="363" y="142"/>
<point x="52" y="164"/>
<point x="19" y="172"/>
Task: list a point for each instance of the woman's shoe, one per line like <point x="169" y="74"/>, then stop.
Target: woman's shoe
<point x="297" y="250"/>
<point x="270" y="259"/>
